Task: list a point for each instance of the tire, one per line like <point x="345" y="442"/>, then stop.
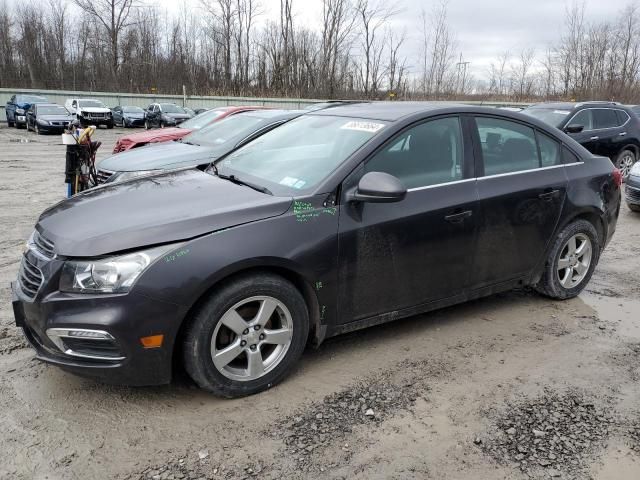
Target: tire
<point x="234" y="377"/>
<point x="161" y="124"/>
<point x="633" y="207"/>
<point x="578" y="272"/>
<point x="36" y="129"/>
<point x="110" y="125"/>
<point x="146" y="125"/>
<point x="10" y="124"/>
<point x="624" y="162"/>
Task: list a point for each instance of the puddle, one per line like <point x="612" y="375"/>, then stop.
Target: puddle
<point x="618" y="313"/>
<point x="22" y="140"/>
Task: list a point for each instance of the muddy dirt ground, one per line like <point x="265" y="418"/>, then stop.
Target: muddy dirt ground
<point x="513" y="386"/>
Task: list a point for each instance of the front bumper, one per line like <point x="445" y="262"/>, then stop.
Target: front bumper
<point x="20" y="120"/>
<point x="126" y="317"/>
<point x="96" y="121"/>
<point x="134" y="122"/>
<point x="632" y="190"/>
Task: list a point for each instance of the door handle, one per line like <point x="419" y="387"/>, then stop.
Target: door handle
<point x="594" y="138"/>
<point x="622" y="134"/>
<point x="548" y="196"/>
<point x="458" y="217"/>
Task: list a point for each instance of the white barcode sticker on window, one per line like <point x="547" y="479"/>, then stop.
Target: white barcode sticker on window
<point x="361" y="126"/>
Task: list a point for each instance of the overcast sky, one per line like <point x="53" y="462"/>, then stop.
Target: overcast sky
<point x="484" y="28"/>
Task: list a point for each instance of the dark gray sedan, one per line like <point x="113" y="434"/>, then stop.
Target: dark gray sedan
<point x="201" y="146"/>
<point x="48" y="118"/>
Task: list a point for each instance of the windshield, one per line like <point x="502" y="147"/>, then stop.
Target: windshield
<point x="171" y="108"/>
<point x="132" y="110"/>
<point x="90" y="104"/>
<point x="235" y="127"/>
<point x="52" y="110"/>
<point x="202" y="120"/>
<point x="301" y="153"/>
<point x="552" y="116"/>
<point x="30" y="99"/>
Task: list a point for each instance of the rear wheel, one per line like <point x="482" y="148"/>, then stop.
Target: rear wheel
<point x="571" y="261"/>
<point x="624" y="162"/>
<point x="247" y="336"/>
<point x="633" y="207"/>
<point x="10" y="123"/>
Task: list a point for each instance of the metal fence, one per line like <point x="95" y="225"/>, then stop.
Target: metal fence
<point x="191" y="101"/>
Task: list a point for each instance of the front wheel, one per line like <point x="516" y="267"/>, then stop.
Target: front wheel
<point x="247" y="336"/>
<point x="633" y="207"/>
<point x="571" y="261"/>
<point x="624" y="162"/>
<point x="36" y="129"/>
<point x="146" y="125"/>
<point x="110" y="125"/>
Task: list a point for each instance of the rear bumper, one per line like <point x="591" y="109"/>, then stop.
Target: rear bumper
<point x="126" y="318"/>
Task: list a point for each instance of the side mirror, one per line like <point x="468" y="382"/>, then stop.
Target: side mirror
<point x="378" y="187"/>
<point x="574" y="128"/>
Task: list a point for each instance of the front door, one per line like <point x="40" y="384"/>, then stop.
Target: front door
<point x="521" y="190"/>
<point x="398" y="255"/>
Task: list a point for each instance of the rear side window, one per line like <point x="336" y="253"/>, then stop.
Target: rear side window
<point x="549" y="151"/>
<point x="583" y="118"/>
<point x="604" y="118"/>
<point x="427" y="154"/>
<point x="568" y="156"/>
<point x="623" y="117"/>
<point x="506" y="146"/>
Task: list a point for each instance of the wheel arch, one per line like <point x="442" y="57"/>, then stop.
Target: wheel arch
<point x="316" y="330"/>
<point x="635" y="148"/>
<point x="591" y="215"/>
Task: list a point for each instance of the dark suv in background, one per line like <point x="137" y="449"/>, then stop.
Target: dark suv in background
<point x="17" y="106"/>
<point x="608" y="129"/>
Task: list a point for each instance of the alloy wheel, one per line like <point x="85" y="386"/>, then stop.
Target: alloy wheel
<point x="251" y="338"/>
<point x="574" y="261"/>
<point x="625" y="163"/>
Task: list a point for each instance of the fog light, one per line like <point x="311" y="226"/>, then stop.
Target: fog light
<point x="89" y="334"/>
<point x="152" y="341"/>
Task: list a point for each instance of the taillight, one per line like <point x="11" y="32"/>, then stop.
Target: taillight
<point x="617" y="176"/>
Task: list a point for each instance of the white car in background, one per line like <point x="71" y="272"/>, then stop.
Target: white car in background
<point x="90" y="111"/>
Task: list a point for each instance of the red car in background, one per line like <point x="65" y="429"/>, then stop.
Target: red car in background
<point x="127" y="142"/>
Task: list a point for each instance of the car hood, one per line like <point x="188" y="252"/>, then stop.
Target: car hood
<point x="164" y="155"/>
<point x="94" y="109"/>
<point x="49" y="118"/>
<point x="150" y="136"/>
<point x="133" y="115"/>
<point x="177" y="116"/>
<point x="153" y="210"/>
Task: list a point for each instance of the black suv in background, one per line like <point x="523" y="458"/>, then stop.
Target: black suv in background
<point x="608" y="129"/>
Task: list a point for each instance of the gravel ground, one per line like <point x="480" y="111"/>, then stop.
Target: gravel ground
<point x="431" y="397"/>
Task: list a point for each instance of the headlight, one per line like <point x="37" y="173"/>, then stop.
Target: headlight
<point x="635" y="170"/>
<point x="108" y="275"/>
<point x="20" y="111"/>
<point x="122" y="176"/>
<point x="42" y="122"/>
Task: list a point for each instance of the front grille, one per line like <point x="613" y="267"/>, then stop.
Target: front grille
<point x="42" y="245"/>
<point x="96" y="115"/>
<point x="59" y="124"/>
<point x="103" y="176"/>
<point x="633" y="194"/>
<point x="30" y="278"/>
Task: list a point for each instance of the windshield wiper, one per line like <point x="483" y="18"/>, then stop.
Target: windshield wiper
<point x="234" y="179"/>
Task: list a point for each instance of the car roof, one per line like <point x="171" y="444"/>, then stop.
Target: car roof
<point x="272" y="114"/>
<point x="393" y="111"/>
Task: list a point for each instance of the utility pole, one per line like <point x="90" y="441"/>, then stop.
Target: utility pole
<point x="462" y="71"/>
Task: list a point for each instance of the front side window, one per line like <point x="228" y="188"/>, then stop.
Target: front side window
<point x="583" y="118"/>
<point x="301" y="153"/>
<point x="426" y="154"/>
<point x="605" y="118"/>
<point x="507" y="146"/>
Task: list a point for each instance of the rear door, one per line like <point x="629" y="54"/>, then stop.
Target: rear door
<point x="521" y="187"/>
<point x="398" y="255"/>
